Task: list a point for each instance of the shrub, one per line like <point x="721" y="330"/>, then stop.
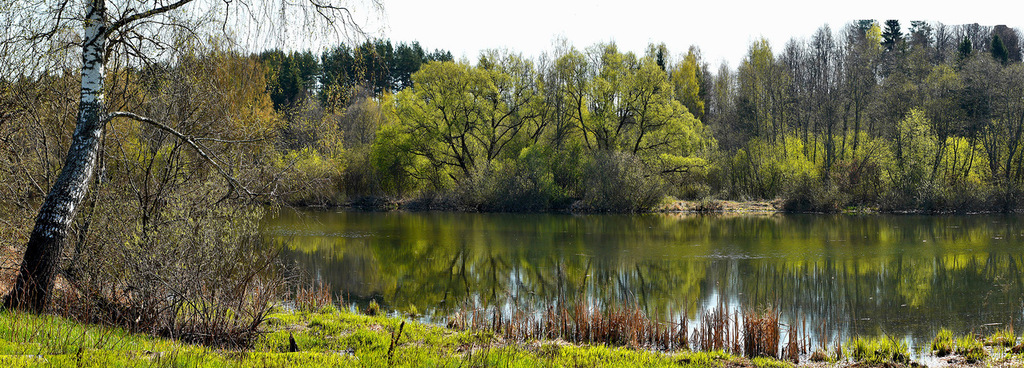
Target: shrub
<point x="199" y="274"/>
<point x="524" y="185"/>
<point x="619" y="182"/>
<point x="811" y="195"/>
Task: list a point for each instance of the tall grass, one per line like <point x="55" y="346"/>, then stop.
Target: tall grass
<point x="881" y="350"/>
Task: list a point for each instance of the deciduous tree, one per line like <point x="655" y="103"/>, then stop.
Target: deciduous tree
<point x="112" y="30"/>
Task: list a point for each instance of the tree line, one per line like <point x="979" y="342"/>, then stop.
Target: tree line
<point x="923" y="118"/>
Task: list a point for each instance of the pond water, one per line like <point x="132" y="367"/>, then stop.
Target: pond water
<point x="838" y="275"/>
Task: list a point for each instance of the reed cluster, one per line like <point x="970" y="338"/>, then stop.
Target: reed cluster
<point x="578" y="323"/>
<point x="314" y="297"/>
<point x="761" y="334"/>
<point x="753" y="334"/>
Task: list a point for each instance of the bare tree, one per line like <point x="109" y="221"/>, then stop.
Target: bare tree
<point x="130" y="31"/>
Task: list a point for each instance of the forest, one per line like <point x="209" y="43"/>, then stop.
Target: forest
<point x="928" y="118"/>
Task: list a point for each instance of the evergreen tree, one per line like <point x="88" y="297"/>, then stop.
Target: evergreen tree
<point x="965" y="48"/>
<point x="999" y="51"/>
<point x="892" y="36"/>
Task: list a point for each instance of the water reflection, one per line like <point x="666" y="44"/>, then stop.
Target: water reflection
<point x="901" y="275"/>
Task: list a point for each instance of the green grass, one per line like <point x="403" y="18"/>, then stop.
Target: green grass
<point x="971" y="349"/>
<point x="1004" y="337"/>
<point x="326" y="338"/>
<point x="942" y="344"/>
<point x="880" y="350"/>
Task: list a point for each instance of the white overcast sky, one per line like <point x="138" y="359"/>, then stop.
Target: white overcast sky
<point x="722" y="28"/>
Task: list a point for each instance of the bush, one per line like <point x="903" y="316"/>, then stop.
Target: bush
<point x="937" y="197"/>
<point x="523" y="185"/>
<point x="811" y="195"/>
<point x="195" y="271"/>
<point x="619" y="182"/>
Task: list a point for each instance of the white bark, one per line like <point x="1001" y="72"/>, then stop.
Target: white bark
<point x="42" y="256"/>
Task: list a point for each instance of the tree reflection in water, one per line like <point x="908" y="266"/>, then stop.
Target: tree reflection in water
<point x="901" y="275"/>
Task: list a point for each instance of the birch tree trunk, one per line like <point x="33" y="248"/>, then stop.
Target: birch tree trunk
<point x="41" y="262"/>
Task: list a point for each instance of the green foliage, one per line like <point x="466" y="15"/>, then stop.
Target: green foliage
<point x="965" y="49"/>
<point x="760" y="82"/>
<point x="892" y="36"/>
<point x="763" y="170"/>
<point x="481" y="135"/>
<point x="619" y="182"/>
<point x="686" y="86"/>
<point x="311" y="173"/>
<point x="915" y="147"/>
<point x="942" y="344"/>
<point x="1003" y="337"/>
<point x="881" y="350"/>
<point x="526" y="184"/>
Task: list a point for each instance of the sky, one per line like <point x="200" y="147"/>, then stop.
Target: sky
<point x="723" y="29"/>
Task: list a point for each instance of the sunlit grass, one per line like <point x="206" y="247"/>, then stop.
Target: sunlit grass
<point x="971" y="349"/>
<point x="942" y="344"/>
<point x="1003" y="337"/>
<point x="880" y="350"/>
<point x="327" y="338"/>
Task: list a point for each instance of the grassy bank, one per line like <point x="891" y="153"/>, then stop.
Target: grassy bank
<point x="333" y="338"/>
<point x="330" y="338"/>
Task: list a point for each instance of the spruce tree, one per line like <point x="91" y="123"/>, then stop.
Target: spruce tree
<point x="965" y="48"/>
<point x="892" y="36"/>
<point x="999" y="51"/>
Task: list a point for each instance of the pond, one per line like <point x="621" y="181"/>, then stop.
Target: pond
<point x="837" y="275"/>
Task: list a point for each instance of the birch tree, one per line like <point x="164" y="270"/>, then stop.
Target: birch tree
<point x="131" y="32"/>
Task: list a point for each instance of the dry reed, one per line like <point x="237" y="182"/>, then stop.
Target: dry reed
<point x="754" y="334"/>
<point x="761" y="334"/>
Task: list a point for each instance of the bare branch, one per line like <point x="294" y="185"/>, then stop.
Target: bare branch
<point x="146" y="14"/>
<point x="235" y="185"/>
<point x="229" y="141"/>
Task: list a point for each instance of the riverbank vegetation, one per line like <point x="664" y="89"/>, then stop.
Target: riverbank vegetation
<point x="329" y="337"/>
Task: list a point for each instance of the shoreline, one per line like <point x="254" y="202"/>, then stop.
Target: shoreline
<point x="707" y="207"/>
